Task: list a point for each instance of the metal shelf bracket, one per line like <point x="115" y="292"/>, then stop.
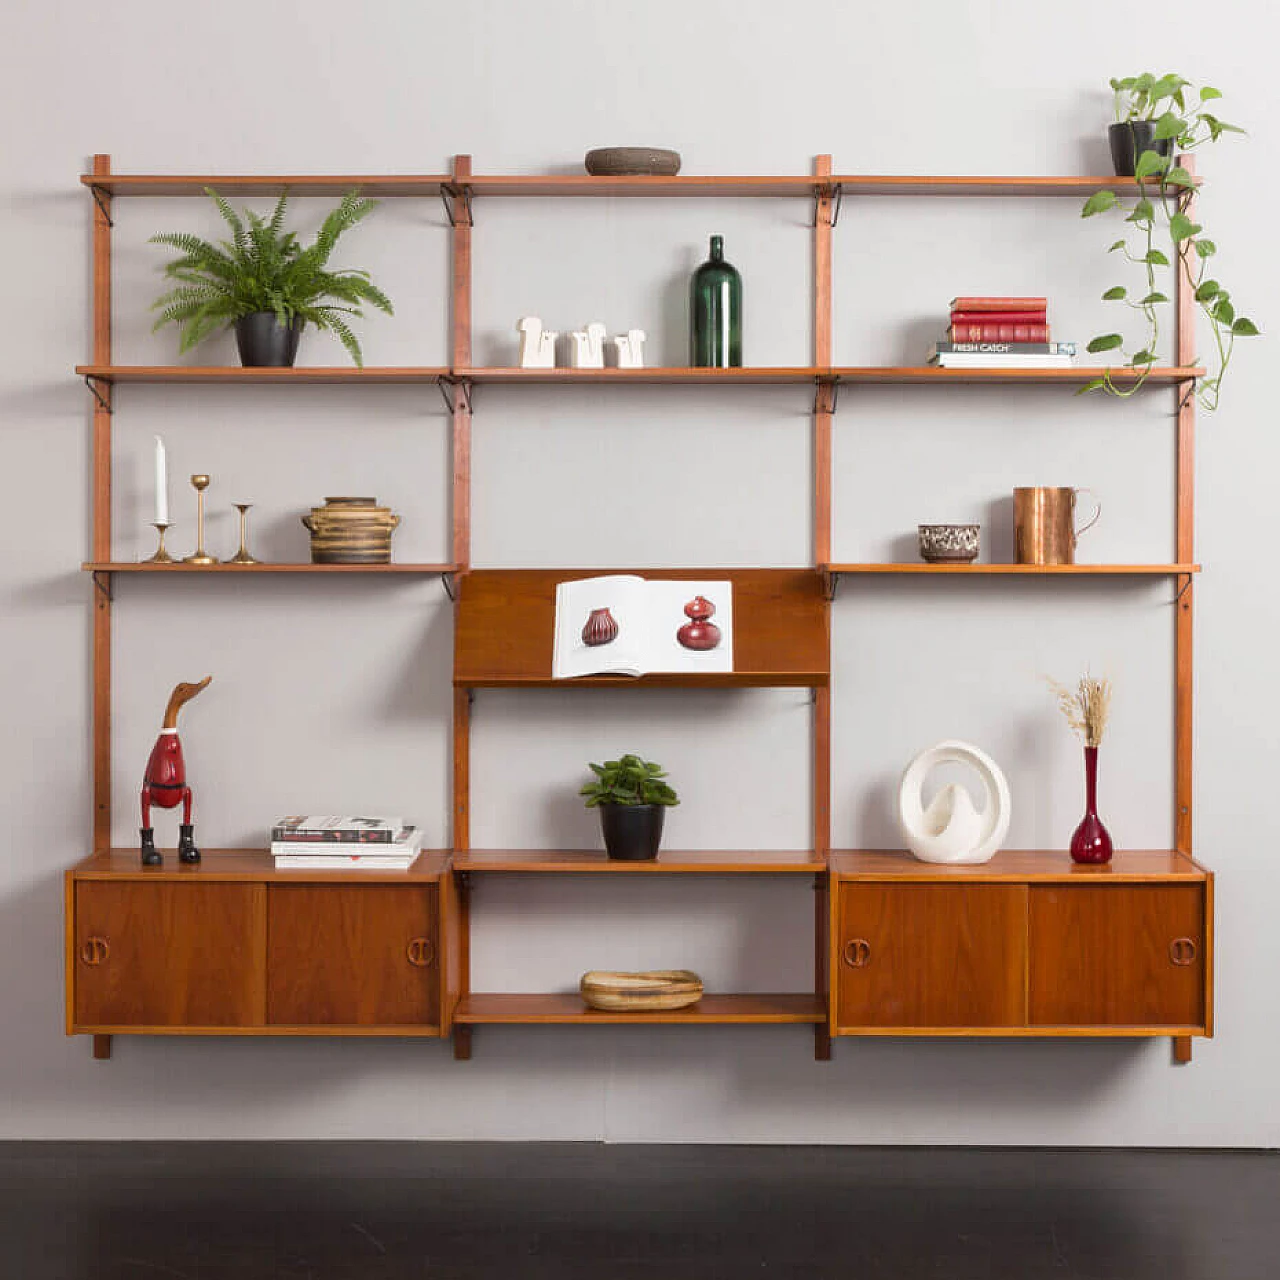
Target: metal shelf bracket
<point x="91" y="381"/>
<point x="457" y="200"/>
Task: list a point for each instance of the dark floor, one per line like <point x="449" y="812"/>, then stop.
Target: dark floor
<point x="383" y="1211"/>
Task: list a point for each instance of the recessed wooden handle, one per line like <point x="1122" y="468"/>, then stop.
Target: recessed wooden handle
<point x="1182" y="951"/>
<point x="857" y="953"/>
<point x="94" y="950"/>
<point x="421" y="952"/>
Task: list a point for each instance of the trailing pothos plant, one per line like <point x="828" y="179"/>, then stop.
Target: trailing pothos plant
<point x="628" y="781"/>
<point x="1165" y="188"/>
<point x="263" y="268"/>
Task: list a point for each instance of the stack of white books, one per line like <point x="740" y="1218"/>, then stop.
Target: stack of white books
<point x="331" y="843"/>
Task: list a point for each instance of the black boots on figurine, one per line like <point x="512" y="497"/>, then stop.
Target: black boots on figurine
<point x="187" y="851"/>
<point x="150" y="854"/>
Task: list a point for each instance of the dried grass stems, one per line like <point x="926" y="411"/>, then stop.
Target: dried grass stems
<point x="1086" y="707"/>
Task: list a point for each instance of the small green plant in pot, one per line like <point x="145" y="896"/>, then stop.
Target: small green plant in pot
<point x="633" y="799"/>
<point x="265" y="284"/>
<point x="1164" y="190"/>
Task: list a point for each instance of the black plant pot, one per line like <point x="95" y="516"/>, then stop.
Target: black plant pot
<point x="263" y="342"/>
<point x="1130" y="139"/>
<point x="632" y="832"/>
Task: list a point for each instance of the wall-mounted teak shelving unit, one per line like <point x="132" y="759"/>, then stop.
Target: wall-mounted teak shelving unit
<point x="1028" y="944"/>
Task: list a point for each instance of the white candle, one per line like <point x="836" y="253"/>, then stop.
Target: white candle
<point x="162" y="485"/>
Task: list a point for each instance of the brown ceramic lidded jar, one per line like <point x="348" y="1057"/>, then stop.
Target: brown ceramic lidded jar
<point x="351" y="531"/>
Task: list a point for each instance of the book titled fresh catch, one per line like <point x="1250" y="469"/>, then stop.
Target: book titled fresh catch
<point x="1003" y="348"/>
<point x="1024" y="306"/>
<point x="336" y="830"/>
<point x="408" y="841"/>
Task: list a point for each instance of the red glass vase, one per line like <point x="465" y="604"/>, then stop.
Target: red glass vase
<point x="1091" y="841"/>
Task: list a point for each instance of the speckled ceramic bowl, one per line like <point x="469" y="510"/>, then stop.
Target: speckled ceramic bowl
<point x="626" y="162"/>
<point x="949" y="543"/>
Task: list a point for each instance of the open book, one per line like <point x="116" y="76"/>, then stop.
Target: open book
<point x="622" y="624"/>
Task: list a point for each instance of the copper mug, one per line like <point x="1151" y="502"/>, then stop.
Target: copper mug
<point x="1044" y="524"/>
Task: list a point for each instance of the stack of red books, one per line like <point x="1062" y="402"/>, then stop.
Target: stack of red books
<point x="1001" y="332"/>
<point x="999" y="320"/>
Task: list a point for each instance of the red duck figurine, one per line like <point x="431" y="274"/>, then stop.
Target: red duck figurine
<point x="165" y="782"/>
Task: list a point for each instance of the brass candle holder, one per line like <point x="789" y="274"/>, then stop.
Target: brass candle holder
<point x="161" y="556"/>
<point x="242" y="556"/>
<point x="200" y="556"/>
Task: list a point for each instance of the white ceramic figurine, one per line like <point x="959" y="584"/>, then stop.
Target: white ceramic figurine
<point x="588" y="347"/>
<point x="537" y="345"/>
<point x="630" y="349"/>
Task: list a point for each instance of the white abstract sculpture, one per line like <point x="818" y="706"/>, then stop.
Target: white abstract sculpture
<point x="630" y="349"/>
<point x="588" y="347"/>
<point x="951" y="829"/>
<point x="537" y="345"/>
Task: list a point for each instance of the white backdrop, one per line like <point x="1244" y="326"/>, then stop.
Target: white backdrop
<point x="335" y="695"/>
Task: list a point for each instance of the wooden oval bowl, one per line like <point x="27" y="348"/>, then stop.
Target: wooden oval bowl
<point x="647" y="992"/>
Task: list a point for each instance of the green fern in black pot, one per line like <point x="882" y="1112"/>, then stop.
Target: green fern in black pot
<point x="265" y="284"/>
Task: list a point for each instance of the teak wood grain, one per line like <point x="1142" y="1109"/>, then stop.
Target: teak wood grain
<point x="1184" y="625"/>
<point x="129" y="566"/>
<point x="163" y="184"/>
<point x="930" y="955"/>
<point x="101" y="515"/>
<point x="168" y="954"/>
<point x="247" y="865"/>
<point x="494" y="1007"/>
<point x="1126" y="954"/>
<point x="104" y="371"/>
<point x="668" y="862"/>
<point x="1021" y="570"/>
<point x="506" y="622"/>
<point x="1136" y="866"/>
<point x="366" y="956"/>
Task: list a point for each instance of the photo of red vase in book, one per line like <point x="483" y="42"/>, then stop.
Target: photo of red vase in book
<point x="1000" y="332"/>
<point x="622" y="624"/>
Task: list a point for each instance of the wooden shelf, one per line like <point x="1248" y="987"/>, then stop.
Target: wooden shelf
<point x="670" y="376"/>
<point x="622" y="377"/>
<point x="506" y="620"/>
<point x="1047" y="185"/>
<point x="247" y="865"/>
<point x="146" y="566"/>
<point x="584" y="184"/>
<point x="162" y="184"/>
<point x="801" y="1007"/>
<point x="1077" y="374"/>
<point x="1023" y="570"/>
<point x="1017" y="866"/>
<point x="260" y="376"/>
<point x="696" y="862"/>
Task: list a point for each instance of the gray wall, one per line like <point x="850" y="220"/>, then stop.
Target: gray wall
<point x="351" y="678"/>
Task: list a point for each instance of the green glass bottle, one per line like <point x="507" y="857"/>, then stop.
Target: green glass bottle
<point x="715" y="313"/>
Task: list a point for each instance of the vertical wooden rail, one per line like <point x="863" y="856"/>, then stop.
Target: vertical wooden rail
<point x="823" y="410"/>
<point x="1184" y="623"/>
<point x="102" y="583"/>
<point x="1186" y="550"/>
<point x="460" y="358"/>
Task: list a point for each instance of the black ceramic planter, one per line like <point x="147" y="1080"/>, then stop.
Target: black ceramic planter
<point x="1130" y="139"/>
<point x="632" y="832"/>
<point x="263" y="342"/>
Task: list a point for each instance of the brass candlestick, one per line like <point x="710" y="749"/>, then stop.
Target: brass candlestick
<point x="161" y="556"/>
<point x="200" y="556"/>
<point x="242" y="556"/>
